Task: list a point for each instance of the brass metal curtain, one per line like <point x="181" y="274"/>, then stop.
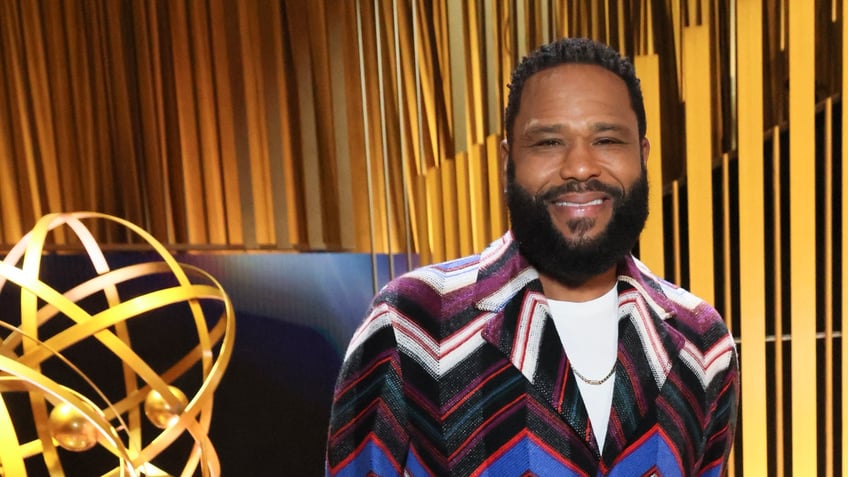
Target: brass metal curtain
<point x="373" y="126"/>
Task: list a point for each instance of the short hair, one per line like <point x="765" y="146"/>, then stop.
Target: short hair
<point x="569" y="51"/>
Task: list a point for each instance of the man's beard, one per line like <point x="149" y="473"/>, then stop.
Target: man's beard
<point x="574" y="261"/>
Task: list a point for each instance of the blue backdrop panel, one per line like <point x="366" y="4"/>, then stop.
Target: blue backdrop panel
<point x="294" y="316"/>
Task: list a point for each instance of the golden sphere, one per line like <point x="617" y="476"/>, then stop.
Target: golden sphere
<point x="71" y="429"/>
<point x="159" y="411"/>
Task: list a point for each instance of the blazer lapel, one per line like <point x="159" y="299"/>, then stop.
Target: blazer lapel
<point x="646" y="352"/>
<point x="524" y="331"/>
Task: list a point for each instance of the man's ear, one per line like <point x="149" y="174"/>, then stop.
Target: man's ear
<point x="503" y="153"/>
<point x="646" y="149"/>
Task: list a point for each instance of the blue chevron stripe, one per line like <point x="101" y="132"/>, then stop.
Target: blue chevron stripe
<point x="526" y="456"/>
<point x="370" y="458"/>
<point x="652" y="453"/>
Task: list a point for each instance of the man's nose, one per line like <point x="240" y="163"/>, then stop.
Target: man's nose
<point x="579" y="163"/>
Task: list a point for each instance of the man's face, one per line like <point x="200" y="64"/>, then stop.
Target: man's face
<point x="577" y="188"/>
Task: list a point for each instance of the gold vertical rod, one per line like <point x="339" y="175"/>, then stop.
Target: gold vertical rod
<point x="727" y="278"/>
<point x="520" y="25"/>
<point x="495" y="186"/>
<point x="622" y="23"/>
<point x="651" y="242"/>
<point x="675" y="212"/>
<point x="475" y="83"/>
<point x="478" y="207"/>
<point x="387" y="183"/>
<point x="435" y="214"/>
<point x="782" y="10"/>
<point x="650" y="29"/>
<point x="677" y="21"/>
<point x="493" y="100"/>
<point x="425" y="251"/>
<point x="779" y="421"/>
<point x="802" y="225"/>
<point x="338" y="48"/>
<point x="752" y="260"/>
<point x="733" y="75"/>
<point x="208" y="138"/>
<point x="462" y="183"/>
<point x="844" y="242"/>
<point x="186" y="116"/>
<point x="424" y="248"/>
<point x="419" y="107"/>
<point x="828" y="287"/>
<point x="699" y="154"/>
<point x="450" y="215"/>
<point x="458" y="72"/>
<point x="367" y="137"/>
<point x="404" y="156"/>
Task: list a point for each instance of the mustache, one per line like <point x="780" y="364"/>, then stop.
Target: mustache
<point x="593" y="185"/>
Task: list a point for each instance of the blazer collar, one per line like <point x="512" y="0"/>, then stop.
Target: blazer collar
<point x="522" y="329"/>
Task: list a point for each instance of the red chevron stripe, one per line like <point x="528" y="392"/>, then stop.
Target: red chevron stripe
<point x="481" y="429"/>
<point x="371" y="437"/>
<point x="365" y="373"/>
<point x="467" y="393"/>
<point x="375" y="406"/>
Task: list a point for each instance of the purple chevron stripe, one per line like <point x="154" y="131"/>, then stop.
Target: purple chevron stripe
<point x="654" y="452"/>
<point x="371" y="456"/>
<point x="527" y="454"/>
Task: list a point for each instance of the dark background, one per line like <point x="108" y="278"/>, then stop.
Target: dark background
<point x="294" y="316"/>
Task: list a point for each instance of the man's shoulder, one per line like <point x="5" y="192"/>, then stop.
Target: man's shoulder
<point x="442" y="278"/>
<point x="447" y="277"/>
<point x="432" y="293"/>
<point x="682" y="308"/>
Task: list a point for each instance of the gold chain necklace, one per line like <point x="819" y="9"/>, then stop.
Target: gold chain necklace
<point x="594" y="382"/>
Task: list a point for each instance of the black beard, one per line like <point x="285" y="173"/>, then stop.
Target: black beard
<point x="573" y="262"/>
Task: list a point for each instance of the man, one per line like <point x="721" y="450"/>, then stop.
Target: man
<point x="554" y="352"/>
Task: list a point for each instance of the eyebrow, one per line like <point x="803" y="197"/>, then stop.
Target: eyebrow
<point x="541" y="129"/>
<point x="603" y="127"/>
<point x="596" y="127"/>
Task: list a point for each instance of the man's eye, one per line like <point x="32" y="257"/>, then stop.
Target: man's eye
<point x="548" y="143"/>
<point x="607" y="140"/>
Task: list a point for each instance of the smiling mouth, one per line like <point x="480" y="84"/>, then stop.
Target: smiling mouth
<point x="578" y="204"/>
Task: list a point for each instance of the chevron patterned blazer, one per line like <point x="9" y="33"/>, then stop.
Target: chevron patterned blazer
<point x="458" y="370"/>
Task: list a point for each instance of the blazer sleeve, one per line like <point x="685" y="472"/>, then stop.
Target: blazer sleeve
<point x="368" y="421"/>
<point x="721" y="421"/>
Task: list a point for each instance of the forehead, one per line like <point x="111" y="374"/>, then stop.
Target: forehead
<point x="575" y="84"/>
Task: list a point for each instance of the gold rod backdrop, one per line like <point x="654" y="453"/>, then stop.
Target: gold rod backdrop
<point x="802" y="245"/>
<point x="752" y="277"/>
<point x="374" y="126"/>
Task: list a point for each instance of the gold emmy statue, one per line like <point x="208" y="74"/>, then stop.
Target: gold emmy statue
<point x="159" y="400"/>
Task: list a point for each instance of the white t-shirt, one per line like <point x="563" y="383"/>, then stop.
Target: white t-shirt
<point x="589" y="334"/>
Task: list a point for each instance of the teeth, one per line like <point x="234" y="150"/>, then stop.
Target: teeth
<point x="580" y="204"/>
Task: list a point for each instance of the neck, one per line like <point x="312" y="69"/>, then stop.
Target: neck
<point x="589" y="290"/>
